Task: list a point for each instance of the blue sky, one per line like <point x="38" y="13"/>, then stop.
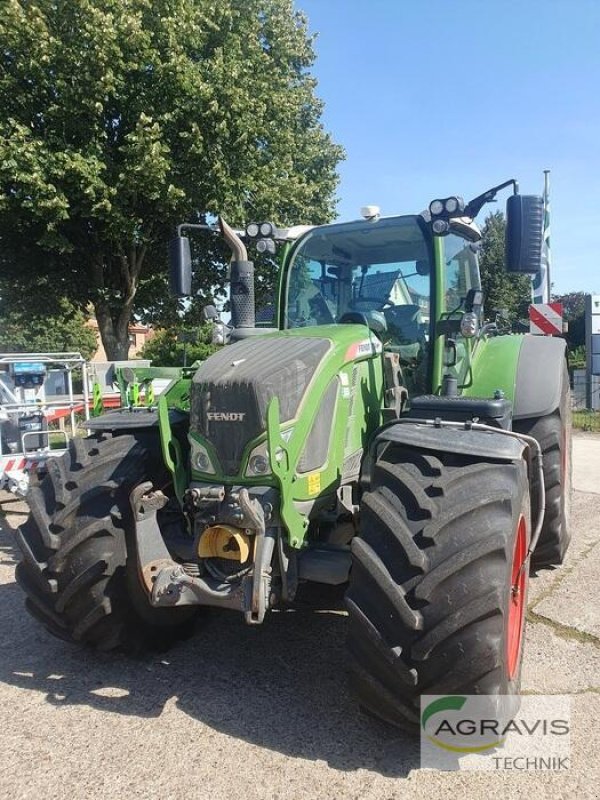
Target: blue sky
<point x="449" y="97"/>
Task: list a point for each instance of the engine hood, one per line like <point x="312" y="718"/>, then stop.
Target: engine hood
<point x="232" y="389"/>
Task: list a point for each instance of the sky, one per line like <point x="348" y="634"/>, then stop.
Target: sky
<point x="443" y="97"/>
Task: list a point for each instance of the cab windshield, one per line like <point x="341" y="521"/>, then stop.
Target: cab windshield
<point x="380" y="270"/>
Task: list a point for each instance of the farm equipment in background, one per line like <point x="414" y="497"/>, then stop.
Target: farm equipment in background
<point x="36" y="389"/>
<point x="380" y="438"/>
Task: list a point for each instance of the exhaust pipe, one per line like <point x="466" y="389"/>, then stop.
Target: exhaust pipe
<point x="241" y="280"/>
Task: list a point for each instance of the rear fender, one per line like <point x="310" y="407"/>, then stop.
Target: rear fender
<point x="538" y="381"/>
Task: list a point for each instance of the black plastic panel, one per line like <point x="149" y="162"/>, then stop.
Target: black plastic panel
<point x="459" y="409"/>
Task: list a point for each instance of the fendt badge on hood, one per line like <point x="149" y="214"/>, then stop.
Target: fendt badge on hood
<point x="225" y="416"/>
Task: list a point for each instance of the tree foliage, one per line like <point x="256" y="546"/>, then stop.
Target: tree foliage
<point x="502" y="290"/>
<point x="165" y="349"/>
<point x="574" y="313"/>
<point x="61" y="329"/>
<point x="122" y="118"/>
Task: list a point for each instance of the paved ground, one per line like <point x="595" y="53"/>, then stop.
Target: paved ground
<point x="265" y="713"/>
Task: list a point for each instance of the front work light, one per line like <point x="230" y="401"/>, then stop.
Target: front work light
<point x="265" y="246"/>
<point x="440" y="226"/>
<point x="267" y="229"/>
<point x="454" y="205"/>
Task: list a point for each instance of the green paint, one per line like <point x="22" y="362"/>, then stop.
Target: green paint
<point x="97" y="401"/>
<point x="134" y="394"/>
<point x="439" y="301"/>
<point x="494" y="366"/>
<point x="149" y="393"/>
<point x="171" y="451"/>
<point x="283" y="467"/>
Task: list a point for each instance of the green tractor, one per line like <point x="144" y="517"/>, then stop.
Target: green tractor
<point x="382" y="438"/>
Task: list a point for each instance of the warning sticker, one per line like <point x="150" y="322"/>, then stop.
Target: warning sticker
<point x="314" y="483"/>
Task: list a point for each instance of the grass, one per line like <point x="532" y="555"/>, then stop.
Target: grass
<point x="587" y="420"/>
<point x="56" y="440"/>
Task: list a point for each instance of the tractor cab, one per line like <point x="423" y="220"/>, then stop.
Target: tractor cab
<point x="386" y="274"/>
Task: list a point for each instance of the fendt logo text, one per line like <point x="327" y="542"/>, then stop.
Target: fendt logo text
<point x="226" y="416"/>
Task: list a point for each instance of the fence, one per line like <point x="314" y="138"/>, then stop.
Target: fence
<point x="586" y="400"/>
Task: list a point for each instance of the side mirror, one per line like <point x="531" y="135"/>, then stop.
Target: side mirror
<point x="473" y="301"/>
<point x="524" y="233"/>
<point x="180" y="267"/>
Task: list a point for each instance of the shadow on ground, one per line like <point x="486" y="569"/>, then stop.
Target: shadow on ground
<point x="282" y="685"/>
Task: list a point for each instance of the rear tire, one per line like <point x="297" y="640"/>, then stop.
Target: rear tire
<point x="79" y="568"/>
<point x="430" y="601"/>
<point x="553" y="432"/>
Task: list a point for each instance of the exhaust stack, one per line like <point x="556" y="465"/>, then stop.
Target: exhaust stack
<point x="241" y="280"/>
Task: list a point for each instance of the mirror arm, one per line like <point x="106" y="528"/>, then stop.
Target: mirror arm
<point x="474" y="206"/>
<point x="196" y="227"/>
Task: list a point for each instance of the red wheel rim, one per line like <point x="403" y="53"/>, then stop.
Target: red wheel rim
<point x="516" y="601"/>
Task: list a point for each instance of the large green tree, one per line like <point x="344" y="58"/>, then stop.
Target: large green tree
<point x="59" y="329"/>
<point x="121" y="118"/>
<point x="502" y="290"/>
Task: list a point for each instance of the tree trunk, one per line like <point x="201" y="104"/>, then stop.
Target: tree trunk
<point x="115" y="337"/>
<point x="114" y="328"/>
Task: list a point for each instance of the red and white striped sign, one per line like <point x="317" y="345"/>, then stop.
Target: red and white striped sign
<point x="546" y="319"/>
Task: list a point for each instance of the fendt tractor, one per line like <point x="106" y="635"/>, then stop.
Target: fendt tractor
<point x="384" y="437"/>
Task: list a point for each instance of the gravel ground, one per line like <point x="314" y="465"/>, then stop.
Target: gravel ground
<point x="266" y="712"/>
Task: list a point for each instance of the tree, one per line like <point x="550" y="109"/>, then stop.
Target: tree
<point x="574" y="313"/>
<point x="165" y="349"/>
<point x="502" y="290"/>
<point x="121" y="118"/>
<point x="58" y="330"/>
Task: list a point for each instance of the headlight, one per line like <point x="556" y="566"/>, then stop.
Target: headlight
<point x="266" y="229"/>
<point x="258" y="462"/>
<point x="440" y="227"/>
<point x="436" y="207"/>
<point x="200" y="458"/>
<point x="252" y="230"/>
<point x="259" y="465"/>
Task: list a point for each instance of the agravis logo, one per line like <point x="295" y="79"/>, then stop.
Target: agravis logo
<point x="445" y="730"/>
<point x="495" y="732"/>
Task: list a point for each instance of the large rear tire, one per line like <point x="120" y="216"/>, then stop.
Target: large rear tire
<point x="79" y="568"/>
<point x="553" y="432"/>
<point x="437" y="595"/>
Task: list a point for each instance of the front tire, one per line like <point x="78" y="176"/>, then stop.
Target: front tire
<point x="437" y="595"/>
<point x="79" y="569"/>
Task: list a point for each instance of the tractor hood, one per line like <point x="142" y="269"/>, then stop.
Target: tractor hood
<point x="232" y="389"/>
